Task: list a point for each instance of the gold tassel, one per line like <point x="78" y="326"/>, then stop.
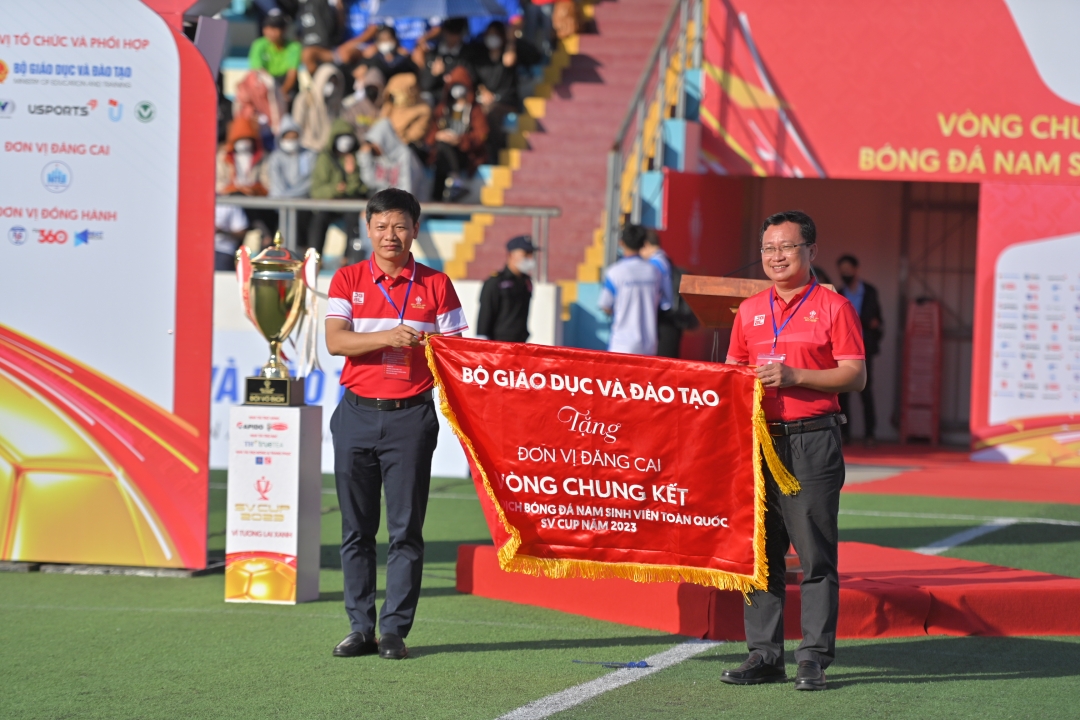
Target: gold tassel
<point x="789" y="485"/>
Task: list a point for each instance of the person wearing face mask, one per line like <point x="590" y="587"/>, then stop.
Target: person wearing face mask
<point x="363" y="107"/>
<point x="317" y="107"/>
<point x="290" y="164"/>
<point x="336" y="176"/>
<point x="388" y="56"/>
<point x="437" y="54"/>
<point x="864" y="298"/>
<point x="495" y="60"/>
<point x="409" y="117"/>
<point x="458" y="136"/>
<point x="240" y="163"/>
<point x="506" y="295"/>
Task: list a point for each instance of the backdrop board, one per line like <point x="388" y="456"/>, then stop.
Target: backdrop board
<point x="1026" y="370"/>
<point x="104" y="343"/>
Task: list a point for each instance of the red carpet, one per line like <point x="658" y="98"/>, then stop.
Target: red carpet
<point x="883" y="593"/>
<point x="950" y="473"/>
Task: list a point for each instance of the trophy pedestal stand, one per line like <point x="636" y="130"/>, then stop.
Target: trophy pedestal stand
<point x="274" y="501"/>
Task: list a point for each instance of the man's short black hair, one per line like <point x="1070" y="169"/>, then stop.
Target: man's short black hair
<point x="275" y="19"/>
<point x="652" y="237"/>
<point x="393" y="199"/>
<point x="386" y="28"/>
<point x="633" y="237"/>
<point x="806" y="225"/>
<point x="848" y="259"/>
<point x="456" y="25"/>
<point x="498" y="25"/>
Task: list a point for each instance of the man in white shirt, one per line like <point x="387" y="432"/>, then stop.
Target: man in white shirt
<point x="631" y="296"/>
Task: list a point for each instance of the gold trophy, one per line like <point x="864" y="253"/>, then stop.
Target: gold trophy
<point x="277" y="290"/>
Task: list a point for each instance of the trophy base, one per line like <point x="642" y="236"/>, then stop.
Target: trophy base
<point x="287" y="392"/>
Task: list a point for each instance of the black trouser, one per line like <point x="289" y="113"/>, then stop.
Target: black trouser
<point x="321" y="220"/>
<point x="807" y="520"/>
<point x="375" y="449"/>
<point x="668" y="335"/>
<point x="867" y="397"/>
<point x="449" y="160"/>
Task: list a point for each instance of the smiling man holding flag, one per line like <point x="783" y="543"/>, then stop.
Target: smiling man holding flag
<point x="806" y="344"/>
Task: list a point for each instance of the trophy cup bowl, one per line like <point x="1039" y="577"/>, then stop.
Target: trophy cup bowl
<point x="273" y="288"/>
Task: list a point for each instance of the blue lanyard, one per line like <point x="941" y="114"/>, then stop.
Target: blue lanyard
<point x="772" y="313"/>
<point x="408" y="289"/>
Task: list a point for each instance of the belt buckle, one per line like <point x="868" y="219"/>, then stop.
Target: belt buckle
<point x="397" y="404"/>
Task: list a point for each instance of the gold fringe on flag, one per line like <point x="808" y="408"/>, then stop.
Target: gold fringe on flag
<point x="510" y="560"/>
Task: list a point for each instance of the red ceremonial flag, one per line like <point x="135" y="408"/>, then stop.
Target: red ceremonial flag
<point x="594" y="464"/>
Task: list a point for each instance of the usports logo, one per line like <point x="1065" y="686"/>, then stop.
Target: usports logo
<point x="60" y="110"/>
<point x="51" y="237"/>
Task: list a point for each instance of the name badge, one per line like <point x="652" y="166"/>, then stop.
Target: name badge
<point x="769" y="359"/>
<point x="397" y="363"/>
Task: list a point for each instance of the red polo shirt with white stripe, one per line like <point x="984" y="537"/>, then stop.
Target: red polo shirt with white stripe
<point x="822" y="331"/>
<point x="432" y="307"/>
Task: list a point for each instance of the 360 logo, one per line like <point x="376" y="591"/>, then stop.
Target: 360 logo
<point x="51" y="237"/>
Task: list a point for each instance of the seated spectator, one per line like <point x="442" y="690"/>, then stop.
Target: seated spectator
<point x="230" y="224"/>
<point x="240" y="166"/>
<point x="318" y="106"/>
<point x="495" y="62"/>
<point x="290" y="164"/>
<point x="386" y="162"/>
<point x="258" y="99"/>
<point x="336" y="176"/>
<point x="319" y="24"/>
<point x="409" y="117"/>
<point x="458" y="136"/>
<point x="362" y="108"/>
<point x="437" y="54"/>
<point x="273" y="54"/>
<point x="387" y="54"/>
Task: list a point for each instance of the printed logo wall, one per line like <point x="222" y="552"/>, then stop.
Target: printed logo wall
<point x="1027" y="332"/>
<point x="97" y="464"/>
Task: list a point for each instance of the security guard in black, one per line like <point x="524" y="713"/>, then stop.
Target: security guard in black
<point x="505" y="297"/>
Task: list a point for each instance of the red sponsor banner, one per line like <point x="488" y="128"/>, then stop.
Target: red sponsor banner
<point x="962" y="91"/>
<point x="596" y="465"/>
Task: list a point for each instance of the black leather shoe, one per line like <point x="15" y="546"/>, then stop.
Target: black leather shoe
<point x="392" y="647"/>
<point x="356" y="644"/>
<point x="754" y="671"/>
<point x="810" y="676"/>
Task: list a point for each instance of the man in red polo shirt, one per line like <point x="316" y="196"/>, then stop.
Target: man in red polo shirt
<point x="806" y="344"/>
<point x="385" y="428"/>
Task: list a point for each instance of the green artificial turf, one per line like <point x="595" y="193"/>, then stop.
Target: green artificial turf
<point x="126" y="647"/>
<point x="923" y="678"/>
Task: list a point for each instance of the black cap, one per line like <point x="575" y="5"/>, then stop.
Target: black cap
<point x="275" y="19"/>
<point x="521" y="242"/>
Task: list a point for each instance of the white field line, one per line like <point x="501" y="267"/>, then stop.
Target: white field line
<point x="548" y="706"/>
<point x="939" y="546"/>
<point x="942" y="516"/>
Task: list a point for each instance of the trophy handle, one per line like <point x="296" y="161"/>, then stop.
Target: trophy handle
<point x="243" y="279"/>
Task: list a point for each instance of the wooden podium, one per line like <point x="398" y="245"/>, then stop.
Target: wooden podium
<point x="715" y="299"/>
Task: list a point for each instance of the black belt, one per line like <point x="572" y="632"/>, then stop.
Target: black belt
<point x="424" y="397"/>
<point x="795" y="427"/>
